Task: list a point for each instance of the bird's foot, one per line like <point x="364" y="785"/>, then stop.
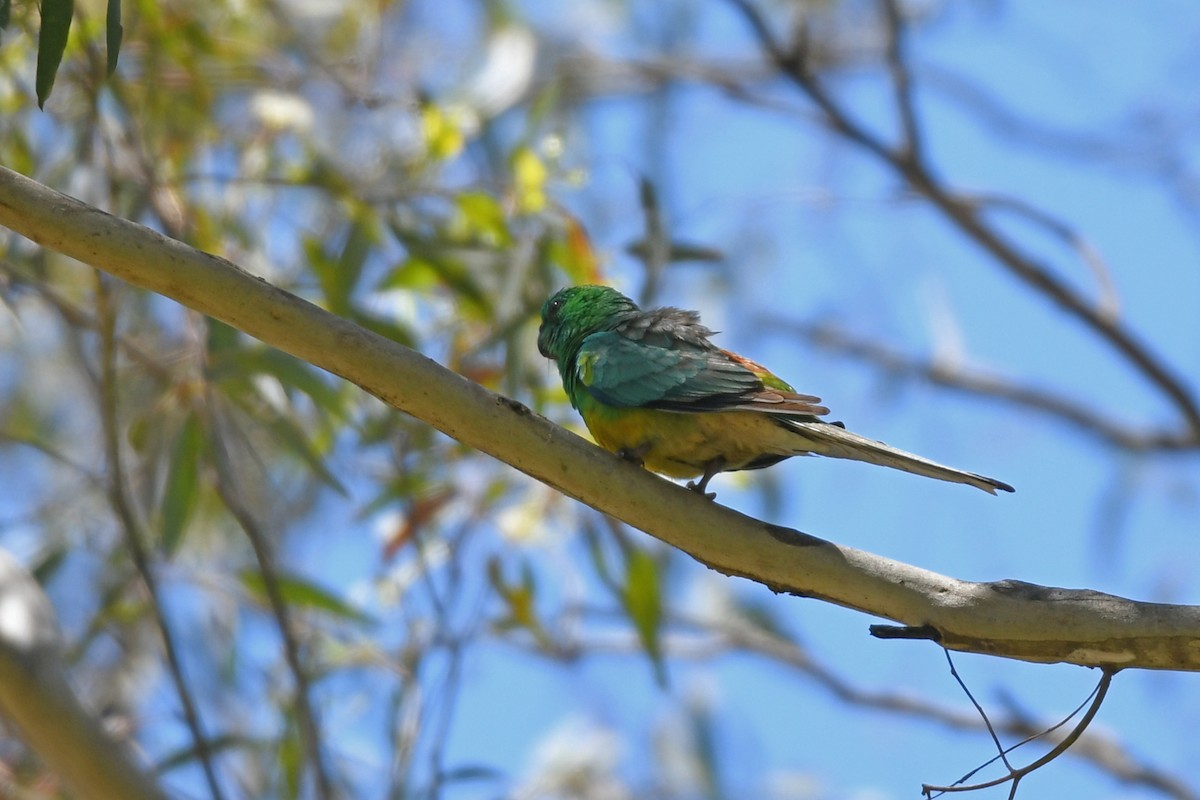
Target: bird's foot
<point x="635" y="455"/>
<point x="710" y="469"/>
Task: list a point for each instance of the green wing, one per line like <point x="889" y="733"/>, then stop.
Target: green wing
<point x="624" y="373"/>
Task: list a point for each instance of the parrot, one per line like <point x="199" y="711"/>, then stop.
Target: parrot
<point x="653" y="388"/>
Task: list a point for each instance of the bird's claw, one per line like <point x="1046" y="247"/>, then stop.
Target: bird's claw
<point x="634" y="455"/>
<point x="710" y="469"/>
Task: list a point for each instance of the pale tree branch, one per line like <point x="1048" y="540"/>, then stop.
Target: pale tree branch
<point x="36" y="697"/>
<point x="1004" y="618"/>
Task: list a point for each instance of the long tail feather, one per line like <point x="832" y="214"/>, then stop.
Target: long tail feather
<point x="831" y="440"/>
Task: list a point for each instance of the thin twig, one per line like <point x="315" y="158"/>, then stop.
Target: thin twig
<point x="1110" y="302"/>
<point x="132" y="529"/>
<point x="902" y="84"/>
<point x="1015" y="776"/>
<point x="310" y="733"/>
<point x="987" y="723"/>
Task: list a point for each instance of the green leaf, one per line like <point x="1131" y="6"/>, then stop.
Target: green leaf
<point x="288" y="434"/>
<point x="529" y="179"/>
<point x="48" y="563"/>
<point x="483" y="219"/>
<point x="437" y="256"/>
<point x="52" y="41"/>
<point x="339" y="274"/>
<point x="707" y="748"/>
<point x="221" y="337"/>
<point x="595" y="550"/>
<point x="292" y="373"/>
<point x="443" y="134"/>
<point x="304" y="594"/>
<point x="385" y="327"/>
<point x="291" y="758"/>
<point x="573" y="252"/>
<point x="181" y="491"/>
<point x="113" y="34"/>
<point x="5" y="13"/>
<point x="643" y="602"/>
<point x="187" y="755"/>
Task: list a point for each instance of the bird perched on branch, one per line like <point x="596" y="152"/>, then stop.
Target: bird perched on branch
<point x="653" y="388"/>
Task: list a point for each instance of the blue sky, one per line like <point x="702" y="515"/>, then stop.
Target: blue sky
<point x="813" y="231"/>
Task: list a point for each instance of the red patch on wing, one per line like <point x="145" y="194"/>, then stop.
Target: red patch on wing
<point x="780" y="401"/>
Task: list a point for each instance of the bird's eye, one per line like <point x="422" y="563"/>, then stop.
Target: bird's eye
<point x="552" y="310"/>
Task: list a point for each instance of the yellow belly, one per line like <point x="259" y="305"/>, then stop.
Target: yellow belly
<point x="679" y="444"/>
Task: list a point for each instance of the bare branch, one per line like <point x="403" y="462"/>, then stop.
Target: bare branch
<point x="1116" y="431"/>
<point x="902" y="84"/>
<point x="1110" y="303"/>
<point x="963" y="215"/>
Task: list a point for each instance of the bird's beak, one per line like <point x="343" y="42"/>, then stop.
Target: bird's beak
<point x="543" y="344"/>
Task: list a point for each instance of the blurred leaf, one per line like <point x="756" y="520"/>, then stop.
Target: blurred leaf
<point x="186" y="755"/>
<point x="386" y="328"/>
<point x="143" y="430"/>
<point x="181" y="491"/>
<point x="471" y="772"/>
<point x="595" y="550"/>
<point x="292" y="373"/>
<point x="520" y="600"/>
<point x="643" y="601"/>
<point x="529" y="178"/>
<point x="220" y="337"/>
<point x="338" y="274"/>
<point x="291" y="757"/>
<point x="5" y="13"/>
<point x="52" y="41"/>
<point x="545" y="103"/>
<point x="412" y="273"/>
<point x="450" y="271"/>
<point x="442" y="134"/>
<point x="113" y="34"/>
<point x="483" y="219"/>
<point x="421" y="512"/>
<point x="574" y="254"/>
<point x="48" y="563"/>
<point x="293" y="438"/>
<point x="704" y="734"/>
<point x="303" y="594"/>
